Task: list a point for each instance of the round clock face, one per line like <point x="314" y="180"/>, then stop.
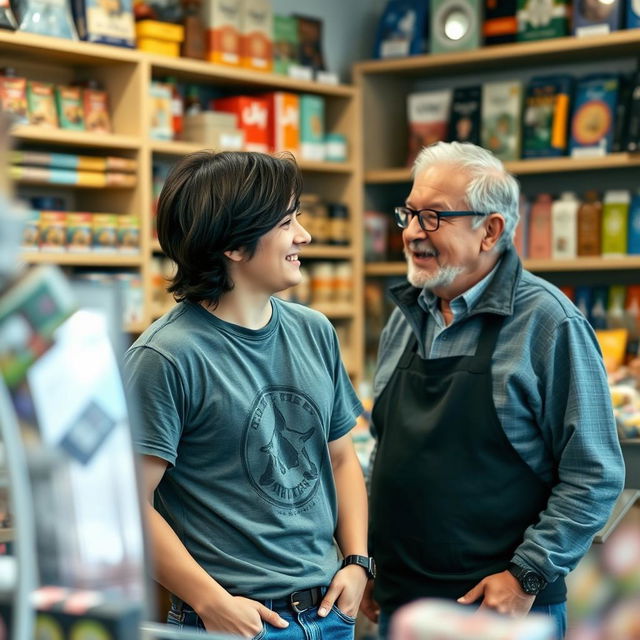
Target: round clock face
<point x="591" y="122"/>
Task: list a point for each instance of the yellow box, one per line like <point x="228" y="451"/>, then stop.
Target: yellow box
<point x="160" y="30"/>
<point x="163" y="47"/>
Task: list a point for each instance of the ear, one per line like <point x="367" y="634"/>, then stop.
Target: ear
<point x="493" y="229"/>
<point x="235" y="255"/>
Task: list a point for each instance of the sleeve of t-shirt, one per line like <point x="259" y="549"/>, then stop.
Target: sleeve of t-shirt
<point x="157" y="393"/>
<point x="346" y="405"/>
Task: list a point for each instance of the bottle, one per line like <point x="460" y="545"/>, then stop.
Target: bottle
<point x="338" y="224"/>
<point x="615" y="222"/>
<point x="589" y="225"/>
<point x="540" y="228"/>
<point x="192" y="104"/>
<point x="177" y="109"/>
<point x="564" y="226"/>
<point x="193" y="45"/>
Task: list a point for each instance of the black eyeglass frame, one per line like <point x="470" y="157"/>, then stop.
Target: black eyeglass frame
<point x="401" y="215"/>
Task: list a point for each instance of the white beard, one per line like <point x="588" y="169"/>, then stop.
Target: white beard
<point x="427" y="280"/>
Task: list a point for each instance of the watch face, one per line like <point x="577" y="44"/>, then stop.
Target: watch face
<point x="532" y="583"/>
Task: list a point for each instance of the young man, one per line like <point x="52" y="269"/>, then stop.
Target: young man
<point x="246" y="411"/>
<point x="497" y="458"/>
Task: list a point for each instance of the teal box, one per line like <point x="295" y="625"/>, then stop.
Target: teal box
<point x="312" y="127"/>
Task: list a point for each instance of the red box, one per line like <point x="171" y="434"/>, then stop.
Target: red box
<point x="253" y="119"/>
<point x="284" y="121"/>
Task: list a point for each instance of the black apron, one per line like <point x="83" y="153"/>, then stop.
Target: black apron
<point x="450" y="496"/>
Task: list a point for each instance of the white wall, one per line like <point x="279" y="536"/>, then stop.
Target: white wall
<point x="348" y="31"/>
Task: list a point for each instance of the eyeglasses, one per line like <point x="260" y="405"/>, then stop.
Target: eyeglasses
<point x="429" y="219"/>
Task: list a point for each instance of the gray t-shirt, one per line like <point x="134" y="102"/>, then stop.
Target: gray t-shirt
<point x="244" y="418"/>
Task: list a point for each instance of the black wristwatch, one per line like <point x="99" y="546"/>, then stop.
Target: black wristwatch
<point x="531" y="583"/>
<point x="368" y="564"/>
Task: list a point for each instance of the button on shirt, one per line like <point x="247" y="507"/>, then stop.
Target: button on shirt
<point x="550" y="394"/>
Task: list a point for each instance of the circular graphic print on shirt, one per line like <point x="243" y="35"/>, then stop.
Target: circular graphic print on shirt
<point x="284" y="446"/>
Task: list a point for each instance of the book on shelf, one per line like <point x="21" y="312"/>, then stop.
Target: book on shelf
<point x="72" y="177"/>
<point x="591" y="17"/>
<point x="546" y="116"/>
<point x="403" y="29"/>
<point x="615" y="222"/>
<point x="501" y="119"/>
<point x="593" y="115"/>
<point x="428" y="117"/>
<point x="464" y="121"/>
<point x="74" y="161"/>
<point x="542" y="19"/>
<point x="500" y="23"/>
<point x="632" y="138"/>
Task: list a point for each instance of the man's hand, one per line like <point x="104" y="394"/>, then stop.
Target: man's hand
<point x="369" y="606"/>
<point x="240" y="616"/>
<point x="345" y="591"/>
<point x="502" y="593"/>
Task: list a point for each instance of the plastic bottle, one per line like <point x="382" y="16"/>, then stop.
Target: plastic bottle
<point x="564" y="226"/>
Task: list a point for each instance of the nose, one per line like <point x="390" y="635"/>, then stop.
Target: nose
<point x="302" y="236"/>
<point x="413" y="230"/>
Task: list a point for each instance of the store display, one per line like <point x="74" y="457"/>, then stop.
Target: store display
<point x="455" y="25"/>
<point x="105" y="22"/>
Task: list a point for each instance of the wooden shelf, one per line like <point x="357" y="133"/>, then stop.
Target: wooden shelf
<point x="383" y="269"/>
<point x="570" y="49"/>
<point x="64" y="137"/>
<point x="201" y="71"/>
<point x="83" y="259"/>
<point x="531" y="166"/>
<point x="335" y="310"/>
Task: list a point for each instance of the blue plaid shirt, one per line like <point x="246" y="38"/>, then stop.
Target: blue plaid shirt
<point x="550" y="393"/>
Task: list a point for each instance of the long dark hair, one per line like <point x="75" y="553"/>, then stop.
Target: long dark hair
<point x="216" y="202"/>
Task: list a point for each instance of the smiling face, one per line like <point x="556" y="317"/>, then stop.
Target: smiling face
<point x="275" y="266"/>
<point x="453" y="258"/>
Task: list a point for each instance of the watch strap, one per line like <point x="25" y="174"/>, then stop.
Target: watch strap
<point x="367" y="563"/>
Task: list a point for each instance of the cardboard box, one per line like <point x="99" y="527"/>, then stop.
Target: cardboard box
<point x="253" y="119"/>
<point x="256" y="44"/>
<point x="284" y="121"/>
<point x="223" y="27"/>
<point x="106" y="21"/>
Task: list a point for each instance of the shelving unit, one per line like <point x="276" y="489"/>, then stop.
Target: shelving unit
<point x="126" y="75"/>
<point x="385" y="85"/>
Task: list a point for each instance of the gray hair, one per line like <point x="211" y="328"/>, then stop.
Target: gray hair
<point x="491" y="188"/>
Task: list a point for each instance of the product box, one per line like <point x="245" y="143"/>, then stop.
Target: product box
<point x="223" y="23"/>
<point x="615" y="222"/>
<point x="310" y="42"/>
<point x="464" y="121"/>
<point x="546" y="117"/>
<point x="283" y="121"/>
<point x="53" y="231"/>
<point x="128" y="234"/>
<point x="13" y="98"/>
<point x="633" y="14"/>
<point x="500" y="23"/>
<point x="591" y="17"/>
<point x="312" y="139"/>
<point x="41" y="104"/>
<point x="160" y="37"/>
<point x="428" y="118"/>
<point x="256" y="28"/>
<point x="542" y="19"/>
<point x="564" y="227"/>
<point x="70" y="107"/>
<point x="592" y="122"/>
<point x="285" y="43"/>
<point x="633" y="240"/>
<point x="214" y="129"/>
<point x="96" y="110"/>
<point x="403" y="29"/>
<point x="31" y="231"/>
<point x="161" y="114"/>
<point x="105" y="21"/>
<point x="456" y="25"/>
<point x="501" y="121"/>
<point x="253" y="117"/>
<point x="539" y="237"/>
<point x="632" y="138"/>
<point x="79" y="232"/>
<point x="105" y="232"/>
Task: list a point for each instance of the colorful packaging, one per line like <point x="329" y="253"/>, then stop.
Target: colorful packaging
<point x="592" y="17"/>
<point x="222" y="20"/>
<point x="70" y="107"/>
<point x="128" y="234"/>
<point x="96" y="110"/>
<point x="108" y="22"/>
<point x="501" y="131"/>
<point x="105" y="232"/>
<point x="13" y="97"/>
<point x="564" y="227"/>
<point x="41" y="104"/>
<point x="590" y="225"/>
<point x="253" y="119"/>
<point x="312" y="144"/>
<point x="285" y="43"/>
<point x="464" y="124"/>
<point x="539" y="247"/>
<point x="428" y="117"/>
<point x="79" y="232"/>
<point x="53" y="231"/>
<point x="402" y="30"/>
<point x="500" y="22"/>
<point x="256" y="44"/>
<point x="542" y="19"/>
<point x="593" y="115"/>
<point x="31" y="231"/>
<point x="615" y="222"/>
<point x="161" y="126"/>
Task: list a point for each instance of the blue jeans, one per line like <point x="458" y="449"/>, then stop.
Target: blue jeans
<point x="557" y="611"/>
<point x="302" y="626"/>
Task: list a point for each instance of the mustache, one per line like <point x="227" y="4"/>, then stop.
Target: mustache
<point x="422" y="246"/>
